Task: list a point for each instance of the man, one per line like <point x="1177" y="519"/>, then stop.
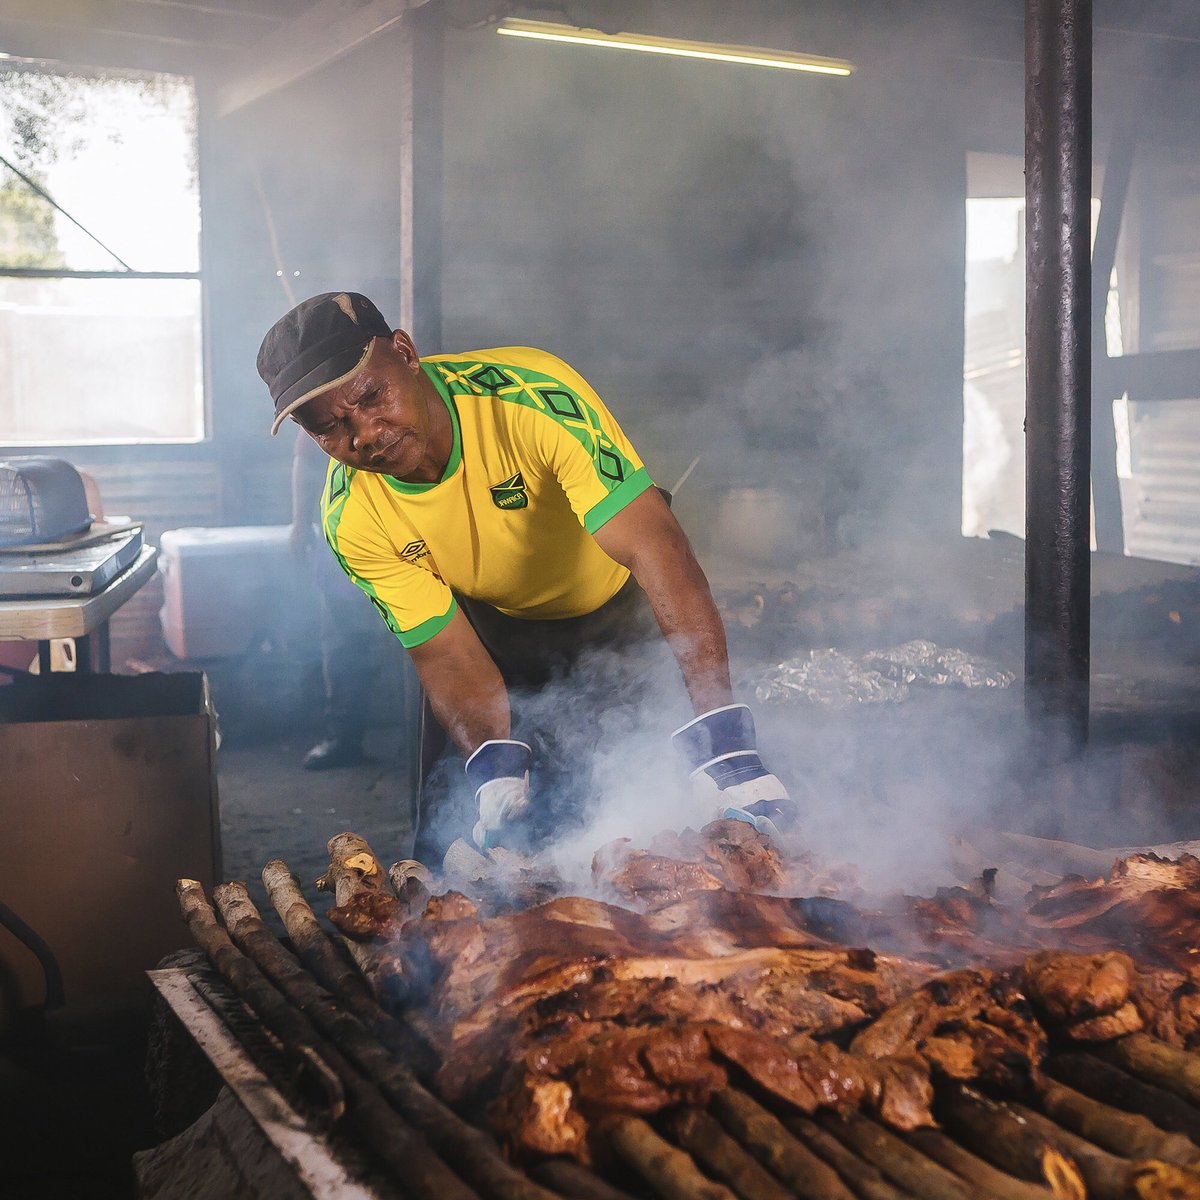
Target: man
<point x="475" y="497"/>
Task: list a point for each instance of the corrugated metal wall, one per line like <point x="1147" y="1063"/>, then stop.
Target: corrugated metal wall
<point x="1162" y="499"/>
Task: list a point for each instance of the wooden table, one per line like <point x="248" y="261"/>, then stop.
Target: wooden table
<point x="45" y="619"/>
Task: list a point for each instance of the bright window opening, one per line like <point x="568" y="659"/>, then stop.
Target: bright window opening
<point x="100" y="304"/>
<point x="994" y="353"/>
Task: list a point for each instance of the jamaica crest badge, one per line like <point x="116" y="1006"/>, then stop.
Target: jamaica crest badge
<point x="510" y="492"/>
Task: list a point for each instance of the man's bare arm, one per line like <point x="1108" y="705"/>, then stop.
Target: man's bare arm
<point x="645" y="537"/>
<point x="463" y="685"/>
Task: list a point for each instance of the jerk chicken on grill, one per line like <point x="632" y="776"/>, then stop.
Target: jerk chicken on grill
<point x="700" y="967"/>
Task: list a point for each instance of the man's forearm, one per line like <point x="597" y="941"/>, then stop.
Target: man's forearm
<point x="464" y="686"/>
<point x="683" y="606"/>
<point x="645" y="537"/>
<point x="468" y="728"/>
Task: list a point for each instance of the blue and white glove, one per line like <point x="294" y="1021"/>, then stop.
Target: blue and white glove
<point x="721" y="753"/>
<point x="499" y="771"/>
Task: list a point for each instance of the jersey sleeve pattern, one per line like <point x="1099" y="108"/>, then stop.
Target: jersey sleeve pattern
<point x="580" y="440"/>
<point x="413" y="601"/>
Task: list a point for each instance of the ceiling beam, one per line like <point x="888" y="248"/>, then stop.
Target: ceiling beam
<point x="80" y="47"/>
<point x="130" y="19"/>
<point x="317" y="36"/>
<point x="263" y="11"/>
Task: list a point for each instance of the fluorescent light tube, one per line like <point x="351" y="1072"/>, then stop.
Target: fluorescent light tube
<point x="755" y="56"/>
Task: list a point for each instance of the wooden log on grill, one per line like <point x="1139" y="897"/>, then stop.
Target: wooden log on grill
<point x="355" y="871"/>
<point x="290" y="1027"/>
<point x="786" y="1158"/>
<point x="570" y="1179"/>
<point x="1176" y="1070"/>
<point x="867" y="1181"/>
<point x="416" y="1168"/>
<point x="991" y="1181"/>
<point x="410" y="881"/>
<point x="1102" y="1081"/>
<point x="1030" y="1144"/>
<point x="474" y="1154"/>
<point x="704" y="1139"/>
<point x="670" y="1172"/>
<point x="1109" y="1177"/>
<point x="321" y="956"/>
<point x="1126" y="1134"/>
<point x="896" y="1159"/>
<point x="998" y="1134"/>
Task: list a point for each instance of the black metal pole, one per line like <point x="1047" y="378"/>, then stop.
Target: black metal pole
<point x="1058" y="161"/>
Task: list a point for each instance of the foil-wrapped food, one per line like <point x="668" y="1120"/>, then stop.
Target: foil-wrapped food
<point x="831" y="679"/>
<point x="920" y="661"/>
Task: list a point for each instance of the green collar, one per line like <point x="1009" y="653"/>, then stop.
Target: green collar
<point x="399" y="485"/>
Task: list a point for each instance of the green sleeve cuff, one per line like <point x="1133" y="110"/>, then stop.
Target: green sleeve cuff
<point x="617" y="499"/>
<point x="427" y="629"/>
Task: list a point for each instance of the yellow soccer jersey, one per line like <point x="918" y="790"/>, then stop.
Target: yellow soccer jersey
<point x="538" y="465"/>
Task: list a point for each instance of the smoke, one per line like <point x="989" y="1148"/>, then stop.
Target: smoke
<point x="766" y="272"/>
<point x="761" y="269"/>
<point x="885" y="791"/>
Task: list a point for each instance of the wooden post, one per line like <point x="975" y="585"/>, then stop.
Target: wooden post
<point x="420" y="125"/>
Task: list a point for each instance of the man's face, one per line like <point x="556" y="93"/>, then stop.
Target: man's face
<point x="378" y="420"/>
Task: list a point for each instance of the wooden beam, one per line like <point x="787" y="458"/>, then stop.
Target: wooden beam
<point x="420" y="128"/>
<point x="80" y="47"/>
<point x="262" y="11"/>
<point x="317" y="36"/>
<point x="130" y="19"/>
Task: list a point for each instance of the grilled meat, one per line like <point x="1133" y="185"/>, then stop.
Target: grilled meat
<point x="1148" y="905"/>
<point x="1097" y="997"/>
<point x="968" y="1025"/>
<point x="709" y="972"/>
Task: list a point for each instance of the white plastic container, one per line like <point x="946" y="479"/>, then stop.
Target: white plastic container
<point x="224" y="589"/>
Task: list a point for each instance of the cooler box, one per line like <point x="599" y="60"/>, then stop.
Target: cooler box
<point x="225" y="589"/>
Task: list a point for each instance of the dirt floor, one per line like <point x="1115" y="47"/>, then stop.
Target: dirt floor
<point x="272" y="808"/>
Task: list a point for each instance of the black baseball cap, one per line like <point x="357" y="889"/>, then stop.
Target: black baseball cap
<point x="321" y="343"/>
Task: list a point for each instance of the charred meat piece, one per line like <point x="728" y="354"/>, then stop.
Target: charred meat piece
<point x="899" y="1089"/>
<point x="370" y="915"/>
<point x="539" y="1115"/>
<point x="744" y="858"/>
<point x="967" y="1025"/>
<point x="1148" y="904"/>
<point x="653" y="882"/>
<point x="1088" y="996"/>
<point x="643" y="1071"/>
<point x="774" y="993"/>
<point x="802" y="1073"/>
<point x="730" y="854"/>
<point x="1169" y="1004"/>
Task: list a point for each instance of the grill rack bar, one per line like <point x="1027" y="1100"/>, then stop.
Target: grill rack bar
<point x="308" y="1154"/>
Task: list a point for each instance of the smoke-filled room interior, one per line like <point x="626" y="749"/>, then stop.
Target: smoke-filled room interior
<point x="599" y="599"/>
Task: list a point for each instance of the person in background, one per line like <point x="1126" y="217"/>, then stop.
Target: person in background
<point x="501" y="522"/>
<point x="350" y="632"/>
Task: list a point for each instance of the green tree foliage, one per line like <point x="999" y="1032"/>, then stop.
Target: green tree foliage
<point x="27" y="236"/>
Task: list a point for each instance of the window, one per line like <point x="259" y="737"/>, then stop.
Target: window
<point x="994" y="350"/>
<point x="100" y="306"/>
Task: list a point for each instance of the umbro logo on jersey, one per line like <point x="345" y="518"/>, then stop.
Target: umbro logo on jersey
<point x="414" y="550"/>
<point x="510" y="492"/>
